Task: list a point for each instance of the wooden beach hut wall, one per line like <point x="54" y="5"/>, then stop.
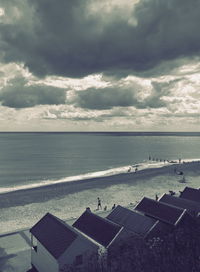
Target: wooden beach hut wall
<point x="192" y="207"/>
<point x="57" y="246"/>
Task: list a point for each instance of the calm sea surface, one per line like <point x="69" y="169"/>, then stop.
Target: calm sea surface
<point x="27" y="158"/>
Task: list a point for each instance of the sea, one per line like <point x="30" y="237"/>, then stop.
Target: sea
<point x="30" y="160"/>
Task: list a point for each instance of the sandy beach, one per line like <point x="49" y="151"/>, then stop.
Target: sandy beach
<point x="21" y="209"/>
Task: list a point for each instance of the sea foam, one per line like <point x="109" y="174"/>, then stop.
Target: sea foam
<point x="98" y="174"/>
<point x="109" y="172"/>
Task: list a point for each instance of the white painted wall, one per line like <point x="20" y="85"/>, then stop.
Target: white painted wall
<point x="80" y="246"/>
<point x="43" y="260"/>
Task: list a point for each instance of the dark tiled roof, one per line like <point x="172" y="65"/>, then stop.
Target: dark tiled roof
<point x="53" y="234"/>
<point x="189" y="205"/>
<point x="131" y="220"/>
<point x="159" y="229"/>
<point x="161" y="211"/>
<point x="99" y="229"/>
<point x="191" y="194"/>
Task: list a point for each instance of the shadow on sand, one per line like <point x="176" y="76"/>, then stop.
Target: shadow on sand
<point x="4" y="259"/>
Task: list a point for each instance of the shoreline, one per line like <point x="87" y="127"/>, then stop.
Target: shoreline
<point x="21" y="209"/>
<point x="87" y="176"/>
<point x="58" y="190"/>
<point x="145" y="165"/>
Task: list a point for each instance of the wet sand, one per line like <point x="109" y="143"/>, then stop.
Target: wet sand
<point x="22" y="209"/>
<point x="47" y="192"/>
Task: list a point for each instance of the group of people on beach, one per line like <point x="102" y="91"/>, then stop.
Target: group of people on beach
<point x="135" y="167"/>
<point x="156" y="159"/>
<point x="99" y="206"/>
<point x="163" y="160"/>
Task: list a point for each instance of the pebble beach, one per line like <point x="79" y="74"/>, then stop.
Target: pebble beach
<point x="23" y="208"/>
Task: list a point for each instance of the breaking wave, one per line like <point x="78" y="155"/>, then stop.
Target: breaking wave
<point x="109" y="172"/>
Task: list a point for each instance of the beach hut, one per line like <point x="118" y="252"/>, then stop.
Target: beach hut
<point x="191" y="194"/>
<point x="101" y="230"/>
<point x="163" y="212"/>
<point x="137" y="223"/>
<point x="104" y="232"/>
<point x="132" y="220"/>
<point x="56" y="246"/>
<point x="192" y="207"/>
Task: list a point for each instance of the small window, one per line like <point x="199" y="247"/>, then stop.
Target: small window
<point x="79" y="260"/>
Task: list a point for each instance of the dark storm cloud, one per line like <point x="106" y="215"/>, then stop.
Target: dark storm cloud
<point x="110" y="97"/>
<point x="60" y="38"/>
<point x="18" y="95"/>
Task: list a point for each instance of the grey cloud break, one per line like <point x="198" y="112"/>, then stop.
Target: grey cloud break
<point x="18" y="95"/>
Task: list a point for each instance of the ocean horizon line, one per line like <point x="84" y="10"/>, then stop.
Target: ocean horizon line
<point x="124" y="133"/>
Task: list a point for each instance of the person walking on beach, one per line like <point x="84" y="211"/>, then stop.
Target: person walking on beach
<point x="99" y="203"/>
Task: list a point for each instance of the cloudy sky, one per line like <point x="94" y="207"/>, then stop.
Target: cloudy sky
<point x="109" y="65"/>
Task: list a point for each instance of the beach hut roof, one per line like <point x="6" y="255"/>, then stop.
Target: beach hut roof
<point x="191" y="194"/>
<point x="132" y="220"/>
<point x="54" y="234"/>
<point x="184" y="203"/>
<point x="99" y="229"/>
<point x="161" y="211"/>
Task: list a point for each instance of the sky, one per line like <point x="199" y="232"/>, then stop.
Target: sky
<point x="109" y="65"/>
